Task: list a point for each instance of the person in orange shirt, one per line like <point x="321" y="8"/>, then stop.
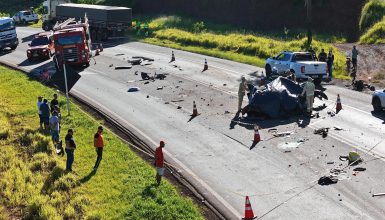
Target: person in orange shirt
<point x="159" y="162"/>
<point x="99" y="145"/>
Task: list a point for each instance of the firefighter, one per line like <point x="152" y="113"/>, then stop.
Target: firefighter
<point x="241" y="92"/>
<point x="309" y="90"/>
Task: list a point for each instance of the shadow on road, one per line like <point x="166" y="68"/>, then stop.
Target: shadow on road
<point x="26" y="62"/>
<point x="379" y="115"/>
<point x="28" y="38"/>
<point x="5" y="52"/>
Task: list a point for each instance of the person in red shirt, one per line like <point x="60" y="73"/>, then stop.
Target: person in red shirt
<point x="99" y="145"/>
<point x="159" y="162"/>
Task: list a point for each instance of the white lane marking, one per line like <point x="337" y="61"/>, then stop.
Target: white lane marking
<point x="190" y="172"/>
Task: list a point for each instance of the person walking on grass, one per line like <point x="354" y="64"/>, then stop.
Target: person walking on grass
<point x="70" y="148"/>
<point x="39" y="102"/>
<point x="55" y="129"/>
<point x="159" y="162"/>
<point x="44" y="108"/>
<point x="99" y="145"/>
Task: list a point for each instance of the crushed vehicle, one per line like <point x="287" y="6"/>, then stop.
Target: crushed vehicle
<point x="41" y="46"/>
<point x="301" y="64"/>
<point x="280" y="98"/>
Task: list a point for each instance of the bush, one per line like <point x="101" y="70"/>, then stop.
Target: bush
<point x="375" y="35"/>
<point x="372" y="12"/>
<point x="42" y="162"/>
<point x="66" y="182"/>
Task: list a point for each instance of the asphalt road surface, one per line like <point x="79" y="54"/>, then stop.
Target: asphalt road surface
<point x="280" y="174"/>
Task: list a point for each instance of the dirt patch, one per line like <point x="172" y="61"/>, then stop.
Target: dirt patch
<point x="371" y="65"/>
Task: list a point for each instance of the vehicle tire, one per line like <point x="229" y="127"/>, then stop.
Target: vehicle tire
<point x="87" y="64"/>
<point x="317" y="81"/>
<point x="268" y="70"/>
<point x="24" y="22"/>
<point x="376" y="104"/>
<point x="13" y="47"/>
<point x="36" y="21"/>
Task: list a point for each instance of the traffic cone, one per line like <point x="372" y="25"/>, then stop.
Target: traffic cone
<point x="206" y="66"/>
<point x="172" y="57"/>
<point x="101" y="47"/>
<point x="195" y="110"/>
<point x="257" y="137"/>
<point x="338" y="105"/>
<point x="249" y="215"/>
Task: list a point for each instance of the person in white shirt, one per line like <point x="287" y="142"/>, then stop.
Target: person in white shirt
<point x="39" y="101"/>
<point x="55" y="128"/>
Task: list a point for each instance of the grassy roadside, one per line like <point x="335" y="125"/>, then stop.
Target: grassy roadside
<point x="213" y="40"/>
<point x="375" y="34"/>
<point x="33" y="184"/>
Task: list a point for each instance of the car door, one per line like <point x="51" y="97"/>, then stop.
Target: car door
<point x="285" y="62"/>
<point x="278" y="62"/>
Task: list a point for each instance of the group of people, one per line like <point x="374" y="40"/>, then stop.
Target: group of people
<point x="49" y="115"/>
<point x="323" y="57"/>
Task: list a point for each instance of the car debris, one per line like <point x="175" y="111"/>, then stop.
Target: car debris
<point x="119" y="54"/>
<point x="378" y="194"/>
<point x="123" y="67"/>
<point x="327" y="180"/>
<point x="338" y="128"/>
<point x="143" y="58"/>
<point x="135" y="61"/>
<point x="360" y="169"/>
<point x="111" y="65"/>
<point x="160" y="76"/>
<point x="133" y="89"/>
<point x="145" y="76"/>
<point x="159" y="88"/>
<point x="322" y="131"/>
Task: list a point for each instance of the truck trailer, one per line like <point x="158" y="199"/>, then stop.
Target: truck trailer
<point x="104" y="21"/>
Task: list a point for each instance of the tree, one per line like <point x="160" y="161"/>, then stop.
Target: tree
<point x="309" y="22"/>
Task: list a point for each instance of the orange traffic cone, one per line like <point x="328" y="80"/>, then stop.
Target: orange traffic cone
<point x="172" y="57"/>
<point x="101" y="47"/>
<point x="206" y="66"/>
<point x="338" y="105"/>
<point x="249" y="215"/>
<point x="257" y="137"/>
<point x="195" y="110"/>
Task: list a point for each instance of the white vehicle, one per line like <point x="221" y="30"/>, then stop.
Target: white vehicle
<point x="25" y="17"/>
<point x="8" y="36"/>
<point x="378" y="100"/>
<point x="302" y="64"/>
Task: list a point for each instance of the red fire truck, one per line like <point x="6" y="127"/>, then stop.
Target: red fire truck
<point x="72" y="43"/>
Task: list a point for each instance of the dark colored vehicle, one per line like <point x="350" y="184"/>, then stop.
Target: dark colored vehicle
<point x="41" y="46"/>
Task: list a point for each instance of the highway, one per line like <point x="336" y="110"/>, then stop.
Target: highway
<point x="212" y="150"/>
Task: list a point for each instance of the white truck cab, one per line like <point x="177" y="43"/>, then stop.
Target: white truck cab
<point x="302" y="64"/>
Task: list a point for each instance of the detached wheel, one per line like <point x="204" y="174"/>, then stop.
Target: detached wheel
<point x="268" y="70"/>
<point x="376" y="104"/>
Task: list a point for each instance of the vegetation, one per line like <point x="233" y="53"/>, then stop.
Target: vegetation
<point x="176" y="32"/>
<point x="372" y="12"/>
<point x="375" y="35"/>
<point x="34" y="185"/>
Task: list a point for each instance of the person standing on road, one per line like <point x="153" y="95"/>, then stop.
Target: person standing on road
<point x="311" y="50"/>
<point x="309" y="90"/>
<point x="39" y="102"/>
<point x="354" y="57"/>
<point x="99" y="145"/>
<point x="70" y="148"/>
<point x="159" y="162"/>
<point x="330" y="62"/>
<point x="44" y="108"/>
<point x="55" y="129"/>
<point x="322" y="56"/>
<point x="241" y="92"/>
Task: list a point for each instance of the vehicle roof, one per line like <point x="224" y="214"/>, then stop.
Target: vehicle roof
<point x="43" y="34"/>
<point x="290" y="52"/>
<point x="103" y="7"/>
<point x="4" y="20"/>
<point x="61" y="31"/>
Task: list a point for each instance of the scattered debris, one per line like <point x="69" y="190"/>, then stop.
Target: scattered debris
<point x="287" y="151"/>
<point x="227" y="112"/>
<point x="338" y="128"/>
<point x="159" y="88"/>
<point x="143" y="58"/>
<point x="167" y="103"/>
<point x="133" y="89"/>
<point x="180" y="100"/>
<point x="160" y="76"/>
<point x="135" y="61"/>
<point x="179" y="107"/>
<point x="354" y="158"/>
<point x="282" y="134"/>
<point x="331" y="162"/>
<point x="148" y="96"/>
<point x="322" y="131"/>
<point x="360" y="169"/>
<point x="225" y="84"/>
<point x="145" y="76"/>
<point x="111" y="65"/>
<point x="327" y="180"/>
<point x="123" y="67"/>
<point x="119" y="54"/>
<point x="378" y="194"/>
<point x="146" y="82"/>
<point x="136" y="73"/>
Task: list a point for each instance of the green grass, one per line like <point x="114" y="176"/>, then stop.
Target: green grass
<point x="372" y="12"/>
<point x="244" y="47"/>
<point x="33" y="184"/>
<point x="375" y="35"/>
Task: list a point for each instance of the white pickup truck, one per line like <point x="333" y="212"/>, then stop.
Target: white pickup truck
<point x="25" y="17"/>
<point x="302" y="64"/>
